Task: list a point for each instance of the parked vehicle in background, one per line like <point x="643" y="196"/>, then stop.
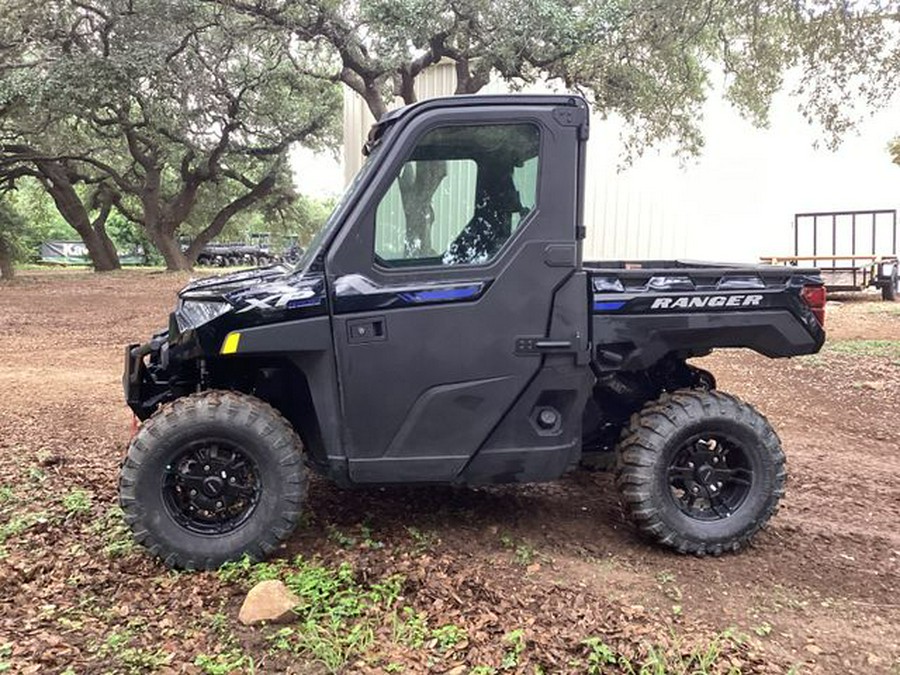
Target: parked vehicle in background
<point x="233" y="255"/>
<point x="854" y="250"/>
<point x="443" y="328"/>
<point x="260" y="251"/>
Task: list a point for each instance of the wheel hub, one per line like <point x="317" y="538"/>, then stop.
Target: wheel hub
<point x="704" y="474"/>
<point x="710" y="477"/>
<point x="211" y="487"/>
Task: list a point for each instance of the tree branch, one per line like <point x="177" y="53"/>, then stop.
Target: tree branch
<point x="261" y="190"/>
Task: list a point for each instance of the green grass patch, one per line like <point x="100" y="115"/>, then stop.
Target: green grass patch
<point x="881" y="348"/>
<point x="115" y="534"/>
<point x="5" y="652"/>
<point x="884" y="349"/>
<point x="18" y="524"/>
<point x="226" y="663"/>
<point x="516" y="641"/>
<point x="16" y="517"/>
<point x="410" y="628"/>
<point x="78" y="502"/>
<point x="423" y="541"/>
<point x="448" y="636"/>
<point x="118" y="651"/>
<point x="344" y="619"/>
<point x="337" y="614"/>
<point x="883" y="308"/>
<point x="671" y="659"/>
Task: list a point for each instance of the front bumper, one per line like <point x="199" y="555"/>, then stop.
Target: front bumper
<point x="144" y="391"/>
<point x="159" y="371"/>
<point x="131" y="378"/>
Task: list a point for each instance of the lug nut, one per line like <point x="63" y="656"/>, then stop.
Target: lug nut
<point x="690" y="465"/>
<point x="712" y="488"/>
<point x="218" y="505"/>
<point x="231" y="480"/>
<point x="193" y="493"/>
<point x="206" y="468"/>
<point x="695" y="489"/>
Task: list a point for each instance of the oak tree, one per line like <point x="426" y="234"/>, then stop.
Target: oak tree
<point x="166" y="111"/>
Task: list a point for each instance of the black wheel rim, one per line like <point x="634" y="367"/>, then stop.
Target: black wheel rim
<point x="211" y="487"/>
<point x="710" y="476"/>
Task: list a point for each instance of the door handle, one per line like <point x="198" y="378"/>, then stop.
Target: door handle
<point x="372" y="329"/>
<point x="542" y="345"/>
<point x="553" y="345"/>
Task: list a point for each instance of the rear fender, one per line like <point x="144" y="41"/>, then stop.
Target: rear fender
<point x="638" y="341"/>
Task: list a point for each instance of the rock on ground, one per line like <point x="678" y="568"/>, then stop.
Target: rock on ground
<point x="270" y="601"/>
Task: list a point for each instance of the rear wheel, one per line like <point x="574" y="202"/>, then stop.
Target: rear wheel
<point x="212" y="477"/>
<point x="700" y="471"/>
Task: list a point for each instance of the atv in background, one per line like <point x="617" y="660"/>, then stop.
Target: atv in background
<point x="234" y="255"/>
<point x="258" y="253"/>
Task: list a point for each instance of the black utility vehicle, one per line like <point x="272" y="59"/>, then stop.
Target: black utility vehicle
<point x="443" y="328"/>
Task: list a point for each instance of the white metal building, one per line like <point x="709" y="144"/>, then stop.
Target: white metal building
<point x="736" y="202"/>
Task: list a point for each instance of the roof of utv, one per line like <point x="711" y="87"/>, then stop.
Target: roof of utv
<point x="465" y="101"/>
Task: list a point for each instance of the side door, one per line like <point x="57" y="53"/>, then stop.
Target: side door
<point x="445" y="270"/>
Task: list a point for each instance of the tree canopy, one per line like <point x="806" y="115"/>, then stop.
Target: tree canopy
<point x="653" y="63"/>
<point x="177" y="114"/>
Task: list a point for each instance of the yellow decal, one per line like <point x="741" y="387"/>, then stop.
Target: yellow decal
<point x="230" y="345"/>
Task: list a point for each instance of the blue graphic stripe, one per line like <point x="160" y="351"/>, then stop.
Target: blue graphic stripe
<point x="307" y="302"/>
<point x="441" y="294"/>
<point x="608" y="305"/>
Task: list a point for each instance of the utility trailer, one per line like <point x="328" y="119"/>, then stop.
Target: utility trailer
<point x="854" y="250"/>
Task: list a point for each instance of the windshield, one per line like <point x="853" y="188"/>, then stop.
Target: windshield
<point x="337" y="214"/>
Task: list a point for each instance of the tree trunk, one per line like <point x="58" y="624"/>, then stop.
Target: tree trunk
<point x="7" y="271"/>
<point x="170" y="250"/>
<point x="175" y="259"/>
<point x="99" y="228"/>
<point x="100" y="248"/>
<point x="418" y="183"/>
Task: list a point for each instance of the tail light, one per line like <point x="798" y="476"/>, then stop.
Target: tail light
<point x="814" y="297"/>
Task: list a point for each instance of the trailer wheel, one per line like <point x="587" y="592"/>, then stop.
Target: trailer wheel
<point x="211" y="478"/>
<point x="700" y="471"/>
<point x="890" y="292"/>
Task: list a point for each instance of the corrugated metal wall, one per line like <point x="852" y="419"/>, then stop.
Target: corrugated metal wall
<point x="653" y="212"/>
<point x="454" y="205"/>
<point x="438" y="80"/>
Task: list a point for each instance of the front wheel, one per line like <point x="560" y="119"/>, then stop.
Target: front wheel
<point x="700" y="471"/>
<point x="211" y="478"/>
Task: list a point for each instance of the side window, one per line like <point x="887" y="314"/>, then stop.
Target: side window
<point x="459" y="197"/>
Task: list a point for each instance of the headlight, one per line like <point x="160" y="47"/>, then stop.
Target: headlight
<point x="194" y="313"/>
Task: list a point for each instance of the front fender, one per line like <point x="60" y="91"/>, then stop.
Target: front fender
<point x="302" y="335"/>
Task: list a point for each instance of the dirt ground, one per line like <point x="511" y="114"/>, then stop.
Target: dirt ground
<point x="819" y="592"/>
